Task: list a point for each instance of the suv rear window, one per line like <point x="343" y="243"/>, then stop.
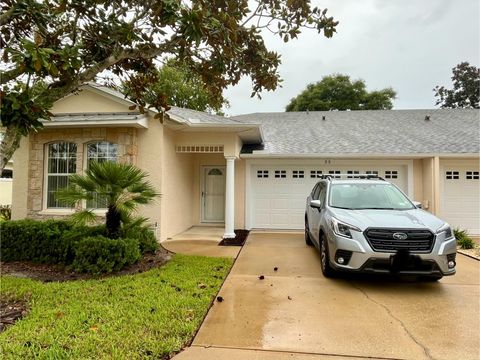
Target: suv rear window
<point x="368" y="196"/>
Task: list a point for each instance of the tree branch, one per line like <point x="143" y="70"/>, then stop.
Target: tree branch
<point x="6" y="76"/>
<point x="7" y="15"/>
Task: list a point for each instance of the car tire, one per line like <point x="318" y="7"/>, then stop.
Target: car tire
<point x="308" y="239"/>
<point x="327" y="269"/>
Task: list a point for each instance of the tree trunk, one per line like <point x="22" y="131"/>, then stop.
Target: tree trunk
<point x="10" y="143"/>
<point x="113" y="222"/>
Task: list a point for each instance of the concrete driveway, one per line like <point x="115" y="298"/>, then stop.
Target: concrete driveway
<point x="296" y="313"/>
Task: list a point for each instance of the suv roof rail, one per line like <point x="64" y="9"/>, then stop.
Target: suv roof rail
<point x="351" y="176"/>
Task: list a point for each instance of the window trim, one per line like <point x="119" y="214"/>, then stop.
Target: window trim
<point x="54" y="210"/>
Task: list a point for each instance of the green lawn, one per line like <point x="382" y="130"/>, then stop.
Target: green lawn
<point x="148" y="315"/>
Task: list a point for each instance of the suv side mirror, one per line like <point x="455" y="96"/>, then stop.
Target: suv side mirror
<point x="417" y="204"/>
<point x="315" y="204"/>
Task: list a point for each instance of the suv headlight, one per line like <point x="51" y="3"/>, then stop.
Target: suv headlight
<point x="445" y="229"/>
<point x="341" y="228"/>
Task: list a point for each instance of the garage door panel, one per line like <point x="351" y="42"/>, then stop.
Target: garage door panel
<point x="279" y="202"/>
<point x="460" y="195"/>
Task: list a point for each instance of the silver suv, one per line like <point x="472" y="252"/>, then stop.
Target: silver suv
<point x="367" y="224"/>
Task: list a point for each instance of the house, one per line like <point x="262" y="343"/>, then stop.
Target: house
<point x="6" y="178"/>
<point x="250" y="171"/>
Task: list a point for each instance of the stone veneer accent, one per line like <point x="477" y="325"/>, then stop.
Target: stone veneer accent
<point x="126" y="138"/>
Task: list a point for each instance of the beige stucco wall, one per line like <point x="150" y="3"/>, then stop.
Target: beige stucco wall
<point x="20" y="182"/>
<point x="176" y="188"/>
<point x="428" y="180"/>
<point x="418" y="180"/>
<point x="89" y="101"/>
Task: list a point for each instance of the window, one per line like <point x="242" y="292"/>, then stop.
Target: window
<point x="473" y="175"/>
<point x="61" y="163"/>
<point x="372" y="172"/>
<point x="315" y="174"/>
<point x="352" y="173"/>
<point x="335" y="173"/>
<point x="7" y="174"/>
<point x="298" y="174"/>
<point x="452" y="175"/>
<point x="280" y="174"/>
<point x="100" y="151"/>
<point x="391" y="174"/>
<point x="317" y="190"/>
<point x="262" y="173"/>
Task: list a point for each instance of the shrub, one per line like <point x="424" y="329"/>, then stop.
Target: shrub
<point x="99" y="254"/>
<point x="5" y="212"/>
<point x="146" y="238"/>
<point x="463" y="239"/>
<point x="38" y="241"/>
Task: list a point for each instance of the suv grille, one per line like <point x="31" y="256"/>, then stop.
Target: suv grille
<point x="382" y="240"/>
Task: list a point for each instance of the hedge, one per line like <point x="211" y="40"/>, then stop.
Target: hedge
<point x="38" y="241"/>
<point x="60" y="242"/>
<point x="98" y="254"/>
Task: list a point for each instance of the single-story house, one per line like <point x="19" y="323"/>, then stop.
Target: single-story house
<point x="254" y="170"/>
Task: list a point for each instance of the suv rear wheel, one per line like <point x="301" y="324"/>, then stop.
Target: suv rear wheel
<point x="327" y="270"/>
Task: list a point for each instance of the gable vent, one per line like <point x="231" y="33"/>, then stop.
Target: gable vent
<point x="199" y="149"/>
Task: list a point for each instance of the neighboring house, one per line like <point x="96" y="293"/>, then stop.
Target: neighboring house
<point x="6" y="178"/>
<point x="250" y="171"/>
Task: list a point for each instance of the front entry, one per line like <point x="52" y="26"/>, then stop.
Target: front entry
<point x="213" y="194"/>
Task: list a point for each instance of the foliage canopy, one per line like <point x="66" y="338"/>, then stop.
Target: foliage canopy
<point x="466" y="88"/>
<point x="50" y="48"/>
<point x="339" y="92"/>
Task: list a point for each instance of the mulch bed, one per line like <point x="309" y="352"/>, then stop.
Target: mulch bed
<point x="11" y="311"/>
<point x="238" y="240"/>
<point x="49" y="273"/>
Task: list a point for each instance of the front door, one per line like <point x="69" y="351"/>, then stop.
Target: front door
<point x="213" y="194"/>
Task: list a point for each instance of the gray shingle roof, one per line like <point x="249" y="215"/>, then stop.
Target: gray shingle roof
<point x="369" y="131"/>
<point x="200" y="117"/>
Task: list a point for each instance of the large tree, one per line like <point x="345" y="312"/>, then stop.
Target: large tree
<point x="339" y="92"/>
<point x="181" y="87"/>
<point x="466" y="88"/>
<point x="51" y="47"/>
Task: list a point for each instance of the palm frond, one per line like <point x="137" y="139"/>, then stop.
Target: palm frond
<point x="83" y="217"/>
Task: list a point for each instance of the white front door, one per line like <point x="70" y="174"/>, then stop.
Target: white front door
<point x="213" y="194"/>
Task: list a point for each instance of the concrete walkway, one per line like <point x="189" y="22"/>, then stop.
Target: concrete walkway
<point x="201" y="240"/>
<point x="296" y="313"/>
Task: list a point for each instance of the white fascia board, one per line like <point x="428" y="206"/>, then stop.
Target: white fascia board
<point x="138" y="123"/>
<point x="261" y="155"/>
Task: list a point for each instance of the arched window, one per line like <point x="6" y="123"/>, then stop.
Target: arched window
<point x="100" y="151"/>
<point x="61" y="163"/>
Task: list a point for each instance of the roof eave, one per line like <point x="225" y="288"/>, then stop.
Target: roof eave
<point x="261" y="154"/>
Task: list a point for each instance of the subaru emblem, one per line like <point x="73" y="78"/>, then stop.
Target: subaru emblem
<point x="400" y="236"/>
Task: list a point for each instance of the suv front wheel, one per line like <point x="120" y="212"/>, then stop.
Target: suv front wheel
<point x="308" y="240"/>
<point x="327" y="269"/>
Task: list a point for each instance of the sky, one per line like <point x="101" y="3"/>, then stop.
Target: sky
<point x="409" y="45"/>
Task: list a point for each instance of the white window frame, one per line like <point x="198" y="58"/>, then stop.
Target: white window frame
<point x="46" y="173"/>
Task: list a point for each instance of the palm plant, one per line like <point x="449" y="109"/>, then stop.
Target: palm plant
<point x="117" y="187"/>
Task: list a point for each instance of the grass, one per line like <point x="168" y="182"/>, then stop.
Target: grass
<point x="148" y="315"/>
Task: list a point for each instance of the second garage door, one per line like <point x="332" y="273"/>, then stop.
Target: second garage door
<point x="278" y="192"/>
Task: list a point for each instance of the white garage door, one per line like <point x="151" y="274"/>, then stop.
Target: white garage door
<point x="279" y="192"/>
<point x="460" y="195"/>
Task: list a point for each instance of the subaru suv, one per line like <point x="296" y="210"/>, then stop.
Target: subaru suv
<point x="366" y="224"/>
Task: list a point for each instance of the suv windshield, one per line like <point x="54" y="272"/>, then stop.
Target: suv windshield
<point x="368" y="196"/>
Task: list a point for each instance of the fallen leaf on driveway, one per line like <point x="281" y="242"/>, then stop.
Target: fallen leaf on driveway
<point x="261" y="277"/>
<point x="219" y="298"/>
